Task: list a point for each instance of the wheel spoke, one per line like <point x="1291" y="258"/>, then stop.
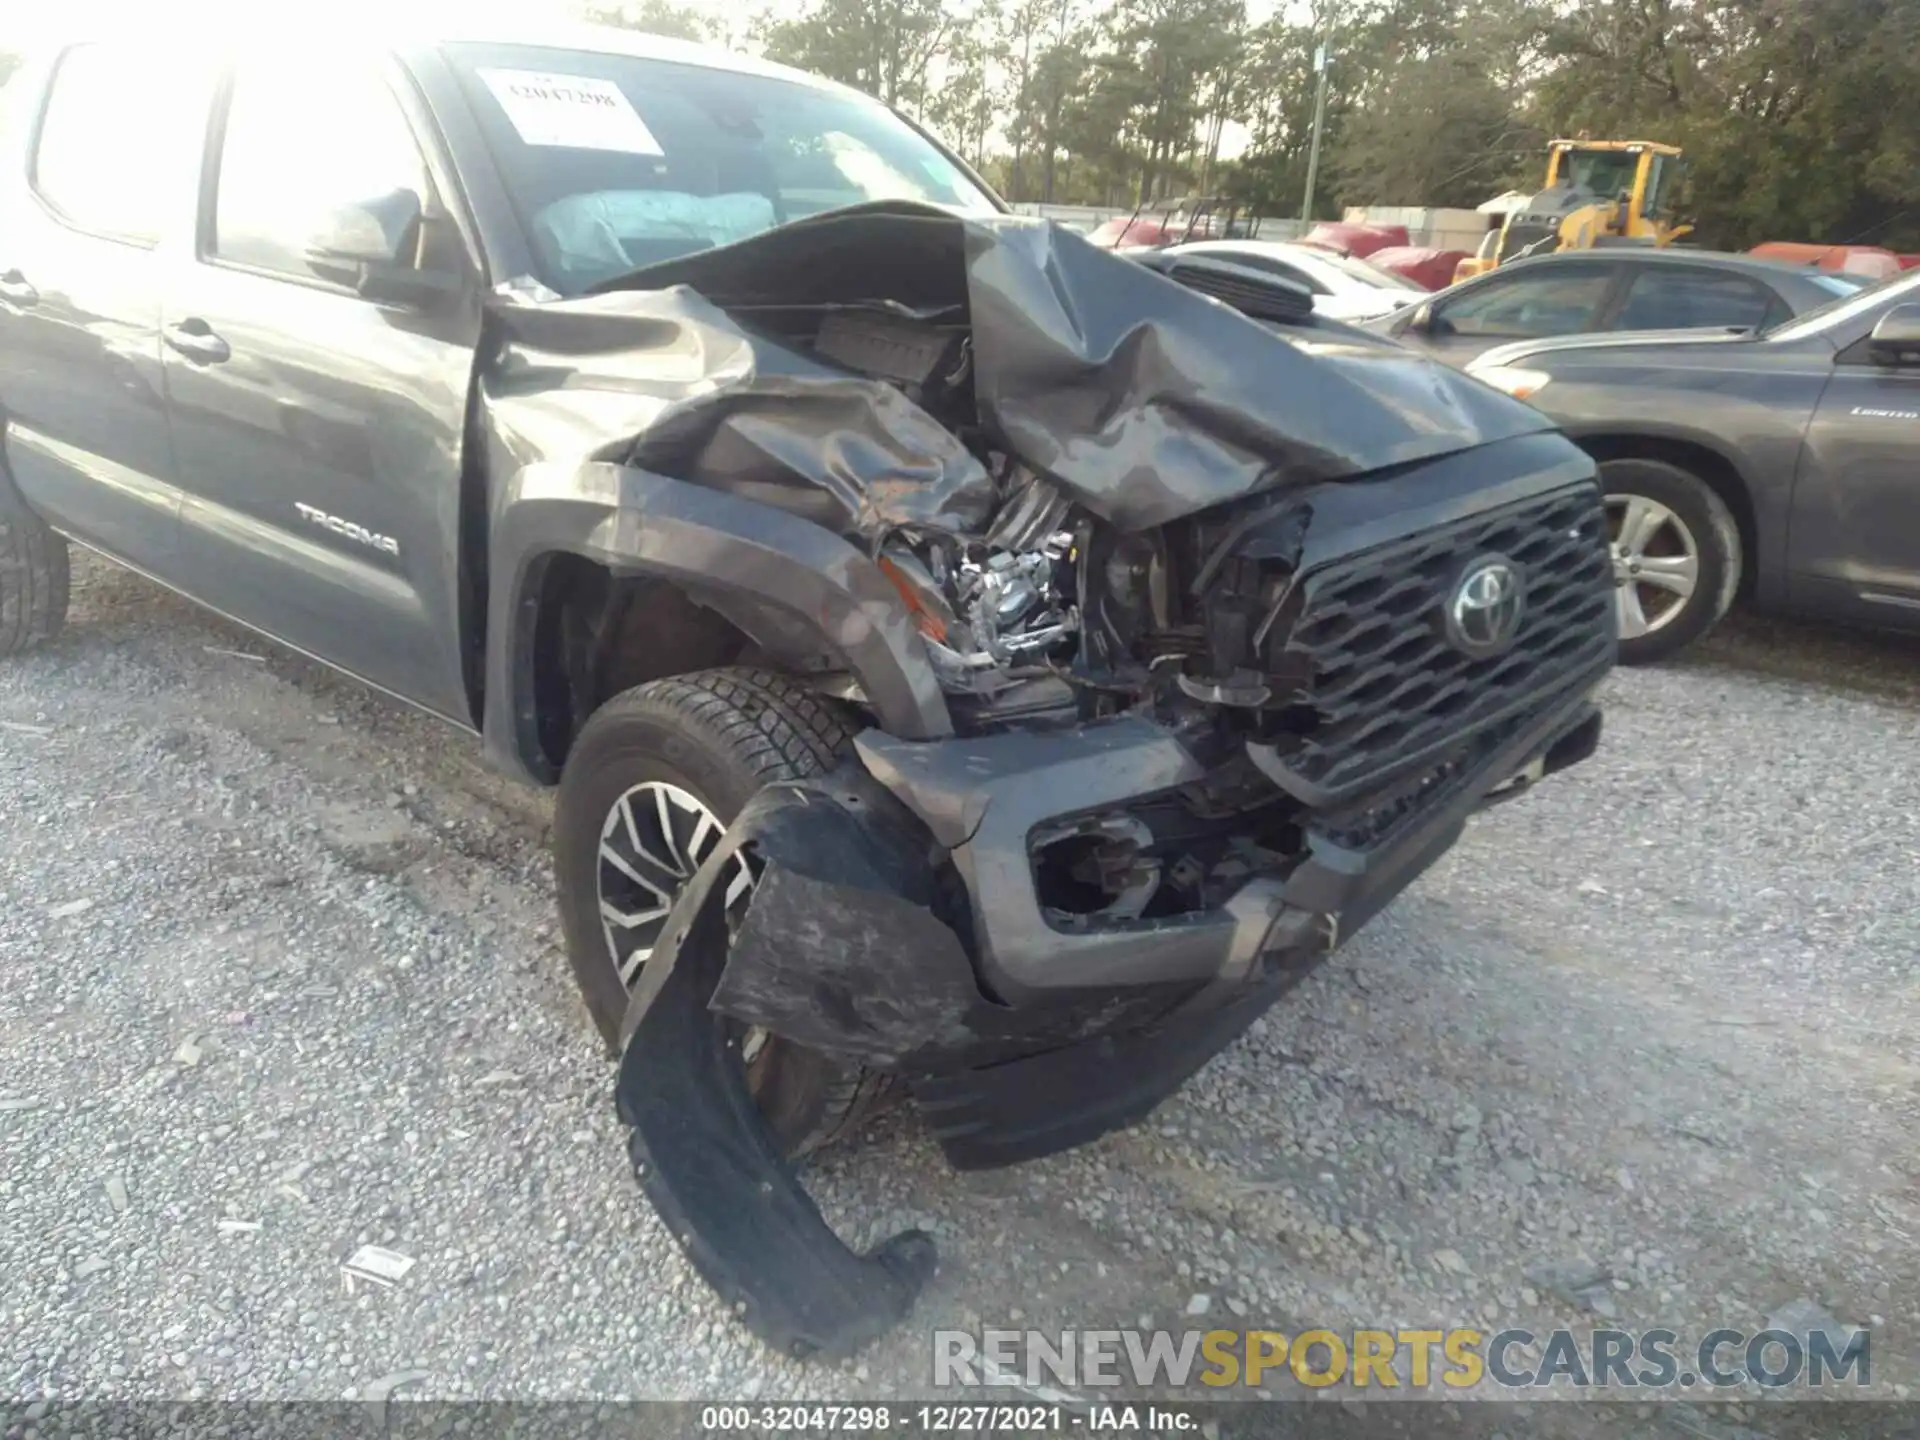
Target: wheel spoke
<point x="1640" y="519"/>
<point x="660" y="882"/>
<point x="1633" y="619"/>
<point x="628" y="965"/>
<point x="1678" y="574"/>
<point x="654" y="837"/>
<point x="740" y="884"/>
<point x="706" y="835"/>
<point x="669" y="839"/>
<point x="623" y="817"/>
<point x="620" y="919"/>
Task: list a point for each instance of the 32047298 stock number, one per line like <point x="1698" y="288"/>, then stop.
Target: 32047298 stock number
<point x="867" y="1419"/>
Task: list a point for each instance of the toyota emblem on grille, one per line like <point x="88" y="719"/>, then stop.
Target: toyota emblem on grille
<point x="1484" y="610"/>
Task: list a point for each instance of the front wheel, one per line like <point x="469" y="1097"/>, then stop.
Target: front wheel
<point x="1676" y="556"/>
<point x="654" y="779"/>
<point x="33" y="574"/>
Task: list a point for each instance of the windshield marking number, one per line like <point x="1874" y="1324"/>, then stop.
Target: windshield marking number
<point x="576" y="112"/>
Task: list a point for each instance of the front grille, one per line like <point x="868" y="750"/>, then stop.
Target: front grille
<point x="1390" y="689"/>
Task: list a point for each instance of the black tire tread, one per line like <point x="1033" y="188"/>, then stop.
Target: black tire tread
<point x="776" y="729"/>
<point x="35" y="578"/>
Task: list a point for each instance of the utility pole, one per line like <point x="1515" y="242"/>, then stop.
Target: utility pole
<point x="1313" y="148"/>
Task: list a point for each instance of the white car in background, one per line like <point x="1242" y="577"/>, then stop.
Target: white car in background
<point x="1344" y="288"/>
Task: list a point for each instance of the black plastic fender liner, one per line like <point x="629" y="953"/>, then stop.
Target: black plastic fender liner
<point x="861" y="942"/>
<point x="707" y="1163"/>
<point x="840" y="949"/>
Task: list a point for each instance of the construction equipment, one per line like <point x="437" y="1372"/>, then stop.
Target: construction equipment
<point x="1598" y="192"/>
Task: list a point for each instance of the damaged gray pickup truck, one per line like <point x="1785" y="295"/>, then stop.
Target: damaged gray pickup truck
<point x="966" y="658"/>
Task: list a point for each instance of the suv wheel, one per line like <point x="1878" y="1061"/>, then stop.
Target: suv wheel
<point x="1676" y="556"/>
<point x="654" y="779"/>
<point x="33" y="574"/>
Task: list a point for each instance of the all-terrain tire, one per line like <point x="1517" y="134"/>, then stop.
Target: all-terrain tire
<point x="721" y="736"/>
<point x="34" y="581"/>
<point x="1715" y="536"/>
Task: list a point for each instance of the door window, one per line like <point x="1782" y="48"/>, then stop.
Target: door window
<point x="1668" y="297"/>
<point x="102" y="158"/>
<point x="300" y="144"/>
<point x="1552" y="300"/>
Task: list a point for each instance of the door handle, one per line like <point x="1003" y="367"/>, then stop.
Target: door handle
<point x="194" y="338"/>
<point x="15" y="290"/>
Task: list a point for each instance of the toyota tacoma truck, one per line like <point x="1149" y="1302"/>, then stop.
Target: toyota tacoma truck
<point x="970" y="663"/>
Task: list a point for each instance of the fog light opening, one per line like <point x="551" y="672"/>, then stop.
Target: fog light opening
<point x="1095" y="868"/>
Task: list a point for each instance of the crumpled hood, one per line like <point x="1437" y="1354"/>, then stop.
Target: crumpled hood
<point x="1140" y="397"/>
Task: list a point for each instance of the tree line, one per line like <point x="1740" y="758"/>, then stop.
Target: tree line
<point x="1800" y="118"/>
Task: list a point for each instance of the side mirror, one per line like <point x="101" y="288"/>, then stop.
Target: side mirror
<point x="1896" y="339"/>
<point x="1420" y="321"/>
<point x="372" y="246"/>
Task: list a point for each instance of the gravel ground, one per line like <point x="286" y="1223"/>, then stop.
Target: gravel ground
<point x="278" y="977"/>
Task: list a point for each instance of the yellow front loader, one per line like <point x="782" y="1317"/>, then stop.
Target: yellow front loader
<point x="1598" y="192"/>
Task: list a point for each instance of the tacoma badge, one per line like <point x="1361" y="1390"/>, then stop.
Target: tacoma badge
<point x="386" y="544"/>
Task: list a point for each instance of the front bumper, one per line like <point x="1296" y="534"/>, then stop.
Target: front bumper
<point x="1020" y="1037"/>
<point x="895" y="922"/>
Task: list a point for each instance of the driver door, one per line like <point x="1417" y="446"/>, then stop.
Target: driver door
<point x="317" y="432"/>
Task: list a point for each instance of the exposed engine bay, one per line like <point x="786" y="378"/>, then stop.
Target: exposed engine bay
<point x="1045" y="590"/>
<point x="996" y="608"/>
<point x="1049" y="615"/>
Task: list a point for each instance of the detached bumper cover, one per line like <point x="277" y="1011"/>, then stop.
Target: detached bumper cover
<point x="894" y="922"/>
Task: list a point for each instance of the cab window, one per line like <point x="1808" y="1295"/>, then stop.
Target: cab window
<point x="1667" y="297"/>
<point x="1552" y="300"/>
<point x="300" y="144"/>
<point x="101" y="160"/>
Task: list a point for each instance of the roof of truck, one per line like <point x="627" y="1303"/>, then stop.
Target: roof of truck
<point x="605" y="40"/>
<point x="439" y="28"/>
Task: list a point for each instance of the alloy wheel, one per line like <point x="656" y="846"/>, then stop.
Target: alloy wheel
<point x="1656" y="564"/>
<point x="655" y="836"/>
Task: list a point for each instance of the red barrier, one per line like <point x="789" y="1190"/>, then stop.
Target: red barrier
<point x="1358" y="240"/>
<point x="1870" y="261"/>
<point x="1421" y="264"/>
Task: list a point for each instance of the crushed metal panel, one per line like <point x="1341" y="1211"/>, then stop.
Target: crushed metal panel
<point x="1144" y="399"/>
<point x="666" y="381"/>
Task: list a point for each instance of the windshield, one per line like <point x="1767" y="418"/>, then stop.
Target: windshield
<point x="1838" y="312"/>
<point x="1607" y="173"/>
<point x="616" y="161"/>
